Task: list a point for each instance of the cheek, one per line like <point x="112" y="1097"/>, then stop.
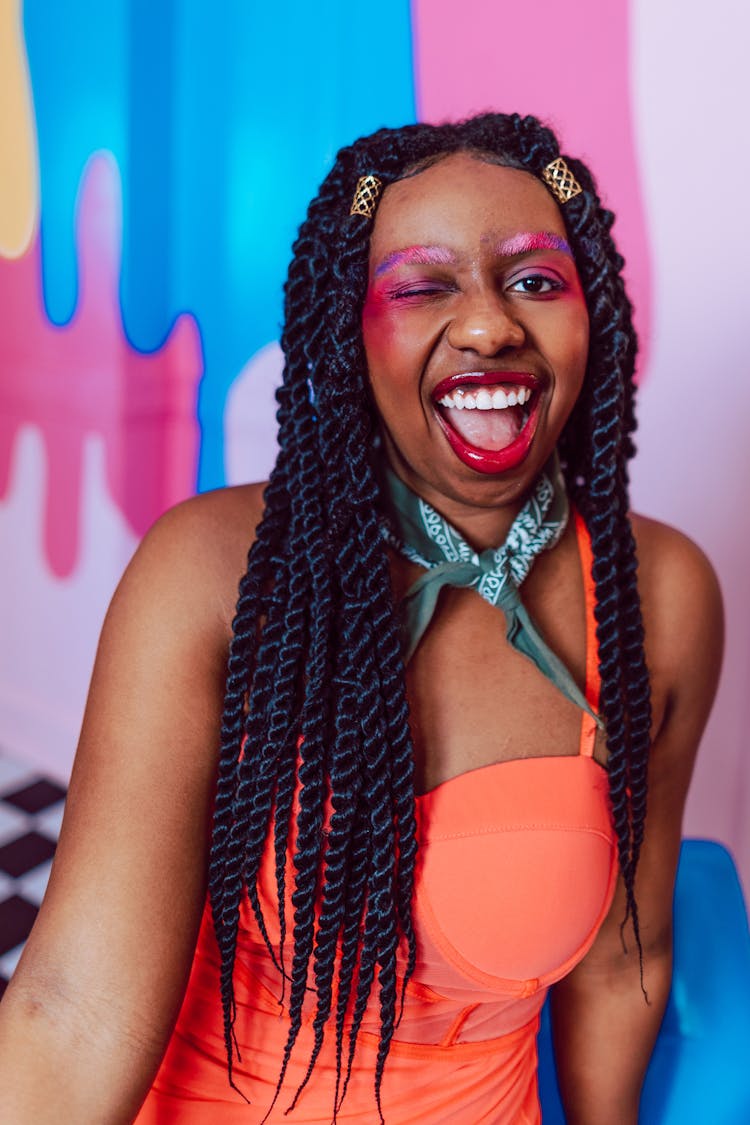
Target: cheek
<point x="392" y="341"/>
<point x="572" y="344"/>
<point x="377" y="332"/>
<point x="579" y="346"/>
<point x="381" y="353"/>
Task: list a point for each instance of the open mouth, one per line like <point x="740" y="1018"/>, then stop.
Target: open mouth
<point x="489" y="418"/>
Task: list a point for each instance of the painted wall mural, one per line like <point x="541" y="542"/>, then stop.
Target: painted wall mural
<point x="155" y="161"/>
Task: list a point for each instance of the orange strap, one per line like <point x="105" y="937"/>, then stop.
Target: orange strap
<point x="588" y="726"/>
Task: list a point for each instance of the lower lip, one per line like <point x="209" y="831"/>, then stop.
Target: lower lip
<point x="493" y="460"/>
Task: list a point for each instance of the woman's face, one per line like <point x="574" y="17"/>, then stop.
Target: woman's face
<point x="475" y="329"/>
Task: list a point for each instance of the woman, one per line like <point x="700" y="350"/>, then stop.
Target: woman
<point x="403" y="857"/>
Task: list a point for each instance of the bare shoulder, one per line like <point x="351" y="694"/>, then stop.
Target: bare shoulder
<point x="670" y="560"/>
<point x="165" y="640"/>
<point x="167" y="631"/>
<point x="223" y="511"/>
<point x="683" y="618"/>
<point x="213" y="527"/>
<point x="677" y="583"/>
<point x="200" y="546"/>
<point x="223" y="520"/>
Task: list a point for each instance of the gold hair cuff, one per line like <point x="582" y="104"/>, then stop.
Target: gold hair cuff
<point x="366" y="196"/>
<point x="561" y="181"/>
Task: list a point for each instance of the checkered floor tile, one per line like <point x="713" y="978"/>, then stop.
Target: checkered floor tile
<point x="30" y="814"/>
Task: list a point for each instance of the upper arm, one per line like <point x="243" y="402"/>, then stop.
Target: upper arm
<point x="108" y="957"/>
<point x="684" y="635"/>
<point x="683" y="614"/>
<point x="131" y="853"/>
<point x="604" y="1026"/>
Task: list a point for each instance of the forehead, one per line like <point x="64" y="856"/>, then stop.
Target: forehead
<point x="461" y="202"/>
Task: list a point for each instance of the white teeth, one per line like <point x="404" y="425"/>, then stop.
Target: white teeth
<point x="463" y="398"/>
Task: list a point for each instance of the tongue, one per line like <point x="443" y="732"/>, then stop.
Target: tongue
<point x="486" y="429"/>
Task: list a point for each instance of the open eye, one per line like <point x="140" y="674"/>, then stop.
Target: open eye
<point x="536" y="284"/>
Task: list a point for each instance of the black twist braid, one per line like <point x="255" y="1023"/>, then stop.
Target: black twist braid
<point x="313" y="754"/>
<point x="346" y="779"/>
<point x="327" y="663"/>
<point x="606" y="430"/>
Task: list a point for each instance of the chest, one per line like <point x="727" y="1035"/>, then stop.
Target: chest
<point x="474" y="699"/>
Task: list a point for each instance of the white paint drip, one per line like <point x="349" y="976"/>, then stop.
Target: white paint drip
<point x="50" y="625"/>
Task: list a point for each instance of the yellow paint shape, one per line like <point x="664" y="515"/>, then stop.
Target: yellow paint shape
<point x="19" y="171"/>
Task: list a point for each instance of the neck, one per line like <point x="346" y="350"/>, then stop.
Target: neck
<point x="482" y="524"/>
<point x="480" y="527"/>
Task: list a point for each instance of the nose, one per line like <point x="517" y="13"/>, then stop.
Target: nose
<point x="485" y="323"/>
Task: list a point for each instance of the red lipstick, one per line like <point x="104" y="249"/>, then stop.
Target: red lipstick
<point x="487" y="460"/>
<point x="484" y="379"/>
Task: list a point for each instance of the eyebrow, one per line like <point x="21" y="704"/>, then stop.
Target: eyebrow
<point x="527" y="241"/>
<point x="416" y="256"/>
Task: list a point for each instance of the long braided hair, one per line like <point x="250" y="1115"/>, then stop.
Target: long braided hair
<point x="316" y="713"/>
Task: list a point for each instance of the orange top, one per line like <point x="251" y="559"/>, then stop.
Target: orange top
<point x="516" y="870"/>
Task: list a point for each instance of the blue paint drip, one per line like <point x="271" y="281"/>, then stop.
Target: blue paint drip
<point x="222" y="129"/>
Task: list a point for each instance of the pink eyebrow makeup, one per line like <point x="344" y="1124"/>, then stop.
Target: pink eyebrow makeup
<point x="415" y="256"/>
<point x="527" y="242"/>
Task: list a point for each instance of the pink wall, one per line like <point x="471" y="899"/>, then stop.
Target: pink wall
<point x="568" y="64"/>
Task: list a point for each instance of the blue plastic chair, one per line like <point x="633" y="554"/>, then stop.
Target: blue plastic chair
<point x="700" y="1070"/>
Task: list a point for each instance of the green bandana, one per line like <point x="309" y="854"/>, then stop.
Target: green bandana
<point x="419" y="533"/>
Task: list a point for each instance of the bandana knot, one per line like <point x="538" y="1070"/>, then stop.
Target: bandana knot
<point x="419" y="533"/>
